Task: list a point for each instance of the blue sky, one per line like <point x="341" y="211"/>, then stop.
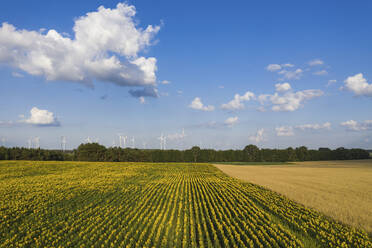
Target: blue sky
<point x="274" y="74"/>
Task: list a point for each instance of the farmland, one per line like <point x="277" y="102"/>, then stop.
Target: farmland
<point x="340" y="189"/>
<point x="84" y="204"/>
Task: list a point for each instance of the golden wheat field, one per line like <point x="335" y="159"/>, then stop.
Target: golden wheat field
<point x="340" y="189"/>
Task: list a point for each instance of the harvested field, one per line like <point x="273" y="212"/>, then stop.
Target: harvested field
<point x="340" y="189"/>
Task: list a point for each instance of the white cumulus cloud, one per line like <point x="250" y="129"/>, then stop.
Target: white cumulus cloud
<point x="357" y="126"/>
<point x="41" y="117"/>
<point x="284" y="131"/>
<point x="289" y="101"/>
<point x="198" y="105"/>
<point x="282" y="87"/>
<point x="106" y="47"/>
<point x="258" y="137"/>
<point x="237" y="102"/>
<point x="359" y="85"/>
<point x="231" y="121"/>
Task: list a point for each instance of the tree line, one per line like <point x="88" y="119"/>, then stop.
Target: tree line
<point x="251" y="153"/>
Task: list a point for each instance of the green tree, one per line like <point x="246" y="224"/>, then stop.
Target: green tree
<point x="3" y="153"/>
<point x="91" y="152"/>
<point x="291" y="154"/>
<point x="195" y="152"/>
<point x="251" y="153"/>
<point x="302" y="153"/>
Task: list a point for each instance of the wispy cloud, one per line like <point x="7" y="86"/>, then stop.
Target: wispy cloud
<point x="273" y="67"/>
<point x="284" y="131"/>
<point x="320" y="73"/>
<point x="314" y="126"/>
<point x="331" y="82"/>
<point x="291" y="75"/>
<point x="315" y="62"/>
<point x="357" y="126"/>
<point x="17" y="74"/>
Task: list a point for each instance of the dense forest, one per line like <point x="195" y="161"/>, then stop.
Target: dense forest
<point x="251" y="153"/>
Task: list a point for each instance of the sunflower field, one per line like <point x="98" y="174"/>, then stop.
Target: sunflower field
<point x="98" y="204"/>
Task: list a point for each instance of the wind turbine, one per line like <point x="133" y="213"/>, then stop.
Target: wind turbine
<point x="124" y="139"/>
<point x="183" y="135"/>
<point x="164" y="142"/>
<point x="161" y="138"/>
<point x="120" y="137"/>
<point x="29" y="143"/>
<point x="3" y="139"/>
<point x="144" y="144"/>
<point x="37" y="142"/>
<point x="63" y="143"/>
<point x="132" y="142"/>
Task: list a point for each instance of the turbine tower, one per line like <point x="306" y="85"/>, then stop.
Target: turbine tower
<point x="132" y="142"/>
<point x="63" y="143"/>
<point x="164" y="143"/>
<point x="120" y="138"/>
<point x="29" y="143"/>
<point x="183" y="138"/>
<point x="3" y="139"/>
<point x="125" y="140"/>
<point x="161" y="138"/>
<point x="37" y="142"/>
